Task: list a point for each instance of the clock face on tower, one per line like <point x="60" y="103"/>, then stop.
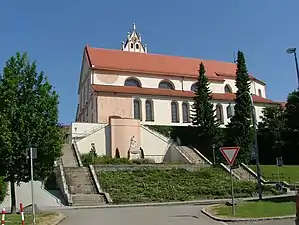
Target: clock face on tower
<point x="134" y="39"/>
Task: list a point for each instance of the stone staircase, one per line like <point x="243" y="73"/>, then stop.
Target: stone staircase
<point x="243" y="174"/>
<point x="68" y="156"/>
<point x="82" y="187"/>
<point x="192" y="156"/>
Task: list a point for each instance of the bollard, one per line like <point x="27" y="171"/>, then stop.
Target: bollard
<point x="22" y="214"/>
<point x="3" y="217"/>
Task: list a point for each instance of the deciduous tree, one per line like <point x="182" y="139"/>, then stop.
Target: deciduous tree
<point x="291" y="134"/>
<point x="270" y="131"/>
<point x="28" y="117"/>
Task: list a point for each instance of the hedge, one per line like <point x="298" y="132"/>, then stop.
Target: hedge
<point x="88" y="159"/>
<point x="172" y="185"/>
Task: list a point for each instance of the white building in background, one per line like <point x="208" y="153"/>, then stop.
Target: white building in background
<point x="152" y="89"/>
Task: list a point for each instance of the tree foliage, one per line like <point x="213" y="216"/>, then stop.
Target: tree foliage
<point x="28" y="117"/>
<point x="204" y="119"/>
<point x="239" y="132"/>
<point x="270" y="131"/>
<point x="291" y="134"/>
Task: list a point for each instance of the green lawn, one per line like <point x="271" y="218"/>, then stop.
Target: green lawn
<point x="156" y="185"/>
<point x="289" y="174"/>
<point x="257" y="209"/>
<point x="41" y="219"/>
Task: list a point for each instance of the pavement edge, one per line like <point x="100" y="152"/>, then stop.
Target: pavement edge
<point x="205" y="202"/>
<point x="206" y="212"/>
<point x="59" y="219"/>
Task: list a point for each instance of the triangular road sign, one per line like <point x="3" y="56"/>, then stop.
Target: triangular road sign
<point x="230" y="154"/>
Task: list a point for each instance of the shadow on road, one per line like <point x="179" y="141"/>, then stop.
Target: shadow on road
<point x="189" y="216"/>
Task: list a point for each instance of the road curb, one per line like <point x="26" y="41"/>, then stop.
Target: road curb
<point x="211" y="202"/>
<point x="59" y="219"/>
<point x="229" y="219"/>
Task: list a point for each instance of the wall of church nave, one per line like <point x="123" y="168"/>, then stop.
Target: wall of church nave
<point x="113" y="105"/>
<point x="179" y="83"/>
<point x="169" y="112"/>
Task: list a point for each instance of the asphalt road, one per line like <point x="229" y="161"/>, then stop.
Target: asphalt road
<point x="163" y="215"/>
<point x="158" y="215"/>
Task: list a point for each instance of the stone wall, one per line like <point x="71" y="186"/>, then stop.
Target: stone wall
<point x="148" y="167"/>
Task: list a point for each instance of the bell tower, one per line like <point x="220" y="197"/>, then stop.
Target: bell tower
<point x="134" y="42"/>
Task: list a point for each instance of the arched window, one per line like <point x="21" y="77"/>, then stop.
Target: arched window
<point x="137" y="109"/>
<point x="132" y="45"/>
<point x="260" y="93"/>
<point x="186" y="114"/>
<point x="174" y="112"/>
<point x="149" y="110"/>
<point x="133" y="82"/>
<point x="164" y="84"/>
<point x="227" y="89"/>
<point x="219" y="113"/>
<point x="137" y="46"/>
<point x="194" y="87"/>
<point x="230" y="111"/>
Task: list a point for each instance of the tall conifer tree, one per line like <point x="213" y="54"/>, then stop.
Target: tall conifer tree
<point x="204" y="118"/>
<point x="240" y="132"/>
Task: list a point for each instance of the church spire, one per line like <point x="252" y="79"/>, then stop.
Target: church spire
<point x="133" y="42"/>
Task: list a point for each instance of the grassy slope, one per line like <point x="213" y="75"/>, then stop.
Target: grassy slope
<point x="257" y="209"/>
<point x="287" y="173"/>
<point x="171" y="185"/>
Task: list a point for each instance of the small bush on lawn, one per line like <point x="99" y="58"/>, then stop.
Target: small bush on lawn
<point x="156" y="185"/>
<point x="3" y="189"/>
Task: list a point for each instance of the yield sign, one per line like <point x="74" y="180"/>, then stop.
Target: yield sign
<point x="230" y="154"/>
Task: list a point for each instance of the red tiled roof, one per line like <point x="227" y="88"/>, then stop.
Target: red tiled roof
<point x="170" y="93"/>
<point x="117" y="60"/>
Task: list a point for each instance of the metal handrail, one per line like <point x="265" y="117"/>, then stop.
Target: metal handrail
<point x="90" y="131"/>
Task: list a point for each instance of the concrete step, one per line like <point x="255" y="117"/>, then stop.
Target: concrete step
<point x="87" y="200"/>
<point x="76" y="169"/>
<point x="194" y="157"/>
<point x="79" y="189"/>
<point x="79" y="180"/>
<point x="68" y="156"/>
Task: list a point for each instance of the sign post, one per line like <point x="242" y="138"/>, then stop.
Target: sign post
<point x="230" y="155"/>
<point x="32" y="154"/>
<point x="279" y="164"/>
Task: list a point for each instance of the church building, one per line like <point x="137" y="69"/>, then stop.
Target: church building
<point x="143" y="88"/>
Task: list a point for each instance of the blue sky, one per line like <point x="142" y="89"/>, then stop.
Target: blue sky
<point x="55" y="32"/>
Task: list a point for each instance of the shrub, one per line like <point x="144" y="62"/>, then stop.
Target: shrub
<point x="3" y="189"/>
<point x="141" y="153"/>
<point x="117" y="154"/>
<point x="88" y="159"/>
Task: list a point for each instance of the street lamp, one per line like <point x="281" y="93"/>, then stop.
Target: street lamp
<point x="293" y="51"/>
<point x="255" y="152"/>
